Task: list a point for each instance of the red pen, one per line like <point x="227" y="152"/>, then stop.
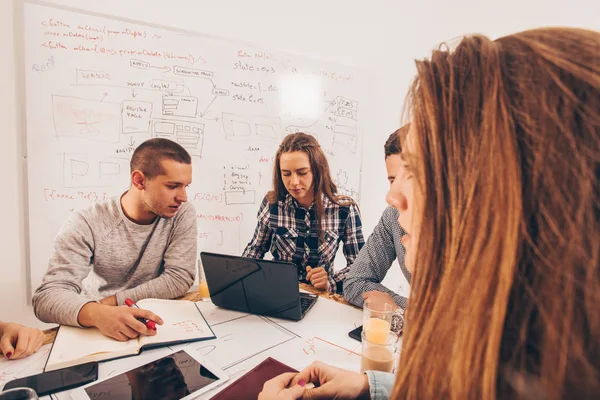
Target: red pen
<point x="149" y="323"/>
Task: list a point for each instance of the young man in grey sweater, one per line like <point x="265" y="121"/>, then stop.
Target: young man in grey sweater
<point x="363" y="281"/>
<point x="142" y="244"/>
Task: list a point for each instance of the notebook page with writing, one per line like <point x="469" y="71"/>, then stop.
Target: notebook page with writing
<point x="183" y="322"/>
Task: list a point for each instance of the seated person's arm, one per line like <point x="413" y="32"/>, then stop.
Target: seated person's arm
<point x="380" y="384"/>
<point x="58" y="300"/>
<point x="179" y="264"/>
<point x="372" y="264"/>
<point x="353" y="241"/>
<point x="261" y="241"/>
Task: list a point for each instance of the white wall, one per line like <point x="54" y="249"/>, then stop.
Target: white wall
<point x="13" y="290"/>
<point x="382" y="35"/>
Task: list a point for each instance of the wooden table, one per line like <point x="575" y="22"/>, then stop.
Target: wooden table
<point x="194" y="295"/>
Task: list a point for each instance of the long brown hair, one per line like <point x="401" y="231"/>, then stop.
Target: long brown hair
<point x="322" y="182"/>
<point x="505" y="297"/>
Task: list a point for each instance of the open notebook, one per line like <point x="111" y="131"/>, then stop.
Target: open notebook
<point x="183" y="322"/>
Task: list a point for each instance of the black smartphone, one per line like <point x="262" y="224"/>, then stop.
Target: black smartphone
<point x="356" y="333"/>
<point x="56" y="381"/>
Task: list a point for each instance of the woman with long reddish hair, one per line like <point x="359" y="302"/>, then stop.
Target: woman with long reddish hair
<point x="303" y="219"/>
<point x="500" y="199"/>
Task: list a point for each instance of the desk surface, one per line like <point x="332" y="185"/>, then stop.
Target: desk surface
<point x="50" y="334"/>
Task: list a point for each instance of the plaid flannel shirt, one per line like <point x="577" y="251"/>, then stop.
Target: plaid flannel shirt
<point x="289" y="232"/>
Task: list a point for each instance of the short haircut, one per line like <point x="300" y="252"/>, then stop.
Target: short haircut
<point x="393" y="145"/>
<point x="148" y="156"/>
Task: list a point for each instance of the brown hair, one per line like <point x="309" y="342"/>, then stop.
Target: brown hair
<point x="393" y="144"/>
<point x="147" y="156"/>
<point x="506" y="289"/>
<point x="322" y="182"/>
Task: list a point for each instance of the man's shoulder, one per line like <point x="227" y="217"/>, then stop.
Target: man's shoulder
<point x="187" y="212"/>
<point x="97" y="219"/>
<point x="101" y="211"/>
<point x="187" y="208"/>
<point x="390" y="215"/>
<point x="389" y="221"/>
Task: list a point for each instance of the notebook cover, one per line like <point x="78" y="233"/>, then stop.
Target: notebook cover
<point x="249" y="385"/>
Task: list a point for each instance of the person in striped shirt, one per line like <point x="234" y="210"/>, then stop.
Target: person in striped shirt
<point x="303" y="219"/>
<point x="363" y="282"/>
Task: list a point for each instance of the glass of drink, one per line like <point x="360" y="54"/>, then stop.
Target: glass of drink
<point x="381" y="355"/>
<point x="379" y="319"/>
<point x="202" y="284"/>
<point x="19" y="394"/>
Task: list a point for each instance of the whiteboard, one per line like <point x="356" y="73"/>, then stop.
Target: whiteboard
<point x="98" y="86"/>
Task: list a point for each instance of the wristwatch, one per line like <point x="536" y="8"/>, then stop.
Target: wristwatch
<point x="397" y="322"/>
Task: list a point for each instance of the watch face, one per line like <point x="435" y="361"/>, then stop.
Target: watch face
<point x="397" y="323"/>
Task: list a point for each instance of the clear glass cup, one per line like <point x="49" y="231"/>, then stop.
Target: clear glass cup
<point x="19" y="394"/>
<point x="381" y="318"/>
<point x="380" y="356"/>
<point x="202" y="284"/>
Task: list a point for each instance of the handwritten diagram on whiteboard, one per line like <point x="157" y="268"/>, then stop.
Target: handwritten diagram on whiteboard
<point x="98" y="87"/>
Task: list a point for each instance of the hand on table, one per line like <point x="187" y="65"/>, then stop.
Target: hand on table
<point x="379" y="298"/>
<point x="279" y="388"/>
<point x="329" y="382"/>
<point x="19" y="341"/>
<point x="120" y="323"/>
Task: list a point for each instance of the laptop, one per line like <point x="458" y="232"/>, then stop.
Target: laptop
<point x="256" y="286"/>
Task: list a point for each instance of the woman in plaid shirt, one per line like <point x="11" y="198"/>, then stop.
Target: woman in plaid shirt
<point x="303" y="219"/>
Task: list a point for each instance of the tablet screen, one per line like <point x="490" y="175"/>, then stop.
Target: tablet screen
<point x="173" y="377"/>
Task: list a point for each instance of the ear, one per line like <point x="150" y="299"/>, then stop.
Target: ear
<point x="138" y="180"/>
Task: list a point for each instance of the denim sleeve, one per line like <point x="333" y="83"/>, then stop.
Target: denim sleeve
<point x="381" y="384"/>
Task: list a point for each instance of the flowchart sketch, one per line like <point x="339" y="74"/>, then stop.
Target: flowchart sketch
<point x="345" y="123"/>
<point x="346" y="140"/>
<point x="93" y="77"/>
<point x="167" y="85"/>
<point x="236" y="126"/>
<point x="188" y="134"/>
<point x="136" y="116"/>
<point x="103" y="85"/>
<point x="180" y="106"/>
<point x="240" y="197"/>
<point x="86" y="119"/>
<point x="240" y="126"/>
<point x="268" y="128"/>
<point x="348" y="104"/>
<point x="192" y="72"/>
<point x="86" y="170"/>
